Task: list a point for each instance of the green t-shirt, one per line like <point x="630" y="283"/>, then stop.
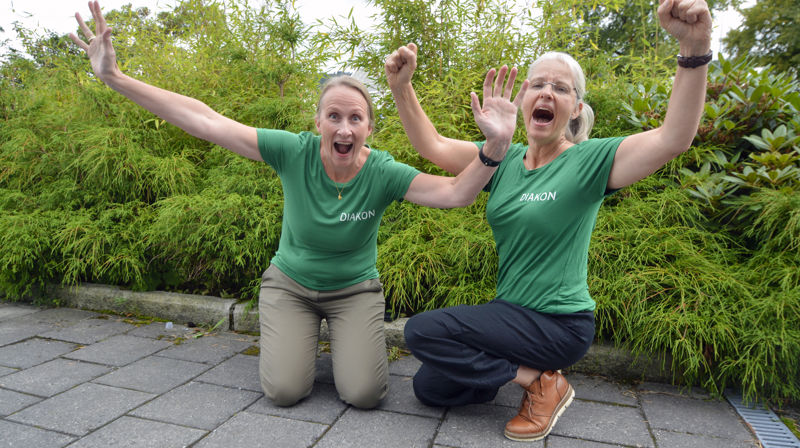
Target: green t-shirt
<point x="327" y="243"/>
<point x="542" y="222"/>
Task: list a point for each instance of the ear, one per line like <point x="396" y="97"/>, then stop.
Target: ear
<point x="369" y="132"/>
<point x="316" y="123"/>
<point x="578" y="109"/>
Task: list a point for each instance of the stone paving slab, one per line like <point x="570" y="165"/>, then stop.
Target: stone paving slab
<point x="52" y="377"/>
<point x="690" y="415"/>
<point x="240" y="372"/>
<point x="159" y="330"/>
<point x="322" y="406"/>
<point x="210" y="349"/>
<point x="478" y="426"/>
<point x="32" y="352"/>
<point x="154" y="374"/>
<point x="119" y="350"/>
<point x="566" y="442"/>
<point x="12" y="331"/>
<point x="135" y="432"/>
<point x="13" y="435"/>
<point x="375" y="428"/>
<point x="324" y="366"/>
<point x="597" y="388"/>
<point x="11" y="402"/>
<point x="677" y="439"/>
<point x="7" y="371"/>
<point x="197" y="405"/>
<point x="82" y="409"/>
<point x="8" y="312"/>
<point x="509" y="395"/>
<point x="247" y="430"/>
<point x="88" y="331"/>
<point x="405" y="366"/>
<point x="607" y="423"/>
<point x="58" y="317"/>
<point x="400" y="398"/>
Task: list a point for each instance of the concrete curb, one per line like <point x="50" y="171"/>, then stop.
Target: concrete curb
<point x="602" y="359"/>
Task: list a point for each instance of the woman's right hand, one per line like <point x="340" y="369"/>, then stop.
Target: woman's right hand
<point x="497" y="116"/>
<point x="400" y="65"/>
<point x="98" y="46"/>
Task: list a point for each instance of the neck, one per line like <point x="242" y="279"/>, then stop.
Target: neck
<point x="344" y="173"/>
<point x="540" y="154"/>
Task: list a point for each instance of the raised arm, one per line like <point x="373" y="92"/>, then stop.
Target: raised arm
<point x="640" y="155"/>
<point x="447" y="153"/>
<point x="189" y="114"/>
<point x="497" y="119"/>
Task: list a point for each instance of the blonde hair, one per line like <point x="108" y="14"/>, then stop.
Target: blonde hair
<point x="353" y="83"/>
<point x="578" y="128"/>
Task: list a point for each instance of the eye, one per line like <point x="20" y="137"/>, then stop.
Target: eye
<point x="333" y="115"/>
<point x="562" y="89"/>
<point x="356" y="118"/>
<point x="537" y="85"/>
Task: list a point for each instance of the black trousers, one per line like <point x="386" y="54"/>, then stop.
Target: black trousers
<point x="468" y="352"/>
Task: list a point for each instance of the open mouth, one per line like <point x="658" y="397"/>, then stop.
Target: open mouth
<point x="343" y="148"/>
<point x="543" y="115"/>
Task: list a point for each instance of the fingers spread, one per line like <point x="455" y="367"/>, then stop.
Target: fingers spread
<point x="521" y="93"/>
<point x="512" y="76"/>
<point x="487" y="84"/>
<point x="77" y="40"/>
<point x="99" y="20"/>
<point x="84" y="28"/>
<point x="476" y="104"/>
<point x="498" y="83"/>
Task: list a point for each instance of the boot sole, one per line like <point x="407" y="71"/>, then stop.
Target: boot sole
<point x="562" y="406"/>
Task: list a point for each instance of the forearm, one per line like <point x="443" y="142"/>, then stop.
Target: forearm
<point x="685" y="106"/>
<point x="189" y="114"/>
<point x="471" y="181"/>
<point x="459" y="191"/>
<point x="450" y="154"/>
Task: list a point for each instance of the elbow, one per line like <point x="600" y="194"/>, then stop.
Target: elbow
<point x="461" y="201"/>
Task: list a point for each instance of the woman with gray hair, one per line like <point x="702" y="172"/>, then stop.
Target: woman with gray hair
<point x="335" y="188"/>
<point x="543" y="204"/>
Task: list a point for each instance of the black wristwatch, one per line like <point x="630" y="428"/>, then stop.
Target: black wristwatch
<point x="694" y="61"/>
<point x="487" y="161"/>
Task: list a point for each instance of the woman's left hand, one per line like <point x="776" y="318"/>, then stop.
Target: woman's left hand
<point x="497" y="118"/>
<point x="688" y="21"/>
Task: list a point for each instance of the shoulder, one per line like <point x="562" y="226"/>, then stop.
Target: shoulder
<point x="596" y="147"/>
<point x="515" y="148"/>
<point x="599" y="143"/>
<point x="286" y="138"/>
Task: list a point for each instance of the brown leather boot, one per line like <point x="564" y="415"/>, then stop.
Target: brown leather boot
<point x="543" y="402"/>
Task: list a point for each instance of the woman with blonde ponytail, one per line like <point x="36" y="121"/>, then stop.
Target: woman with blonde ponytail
<point x="543" y="204"/>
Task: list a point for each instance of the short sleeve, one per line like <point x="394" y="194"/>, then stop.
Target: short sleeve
<point x="397" y="177"/>
<point x="273" y="145"/>
<point x="596" y="160"/>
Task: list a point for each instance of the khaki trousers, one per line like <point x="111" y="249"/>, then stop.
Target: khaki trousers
<point x="290" y="316"/>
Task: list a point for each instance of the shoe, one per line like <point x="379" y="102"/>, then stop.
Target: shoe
<point x="543" y="402"/>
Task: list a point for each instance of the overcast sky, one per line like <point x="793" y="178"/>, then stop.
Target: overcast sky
<point x="58" y="15"/>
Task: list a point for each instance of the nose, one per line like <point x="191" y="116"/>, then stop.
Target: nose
<point x="344" y="130"/>
<point x="547" y="89"/>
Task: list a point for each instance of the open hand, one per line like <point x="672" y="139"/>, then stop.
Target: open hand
<point x="98" y="45"/>
<point x="497" y="118"/>
<point x="688" y="21"/>
<point x="400" y="65"/>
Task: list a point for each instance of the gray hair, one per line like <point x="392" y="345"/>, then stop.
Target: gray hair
<point x="353" y="83"/>
<point x="579" y="128"/>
